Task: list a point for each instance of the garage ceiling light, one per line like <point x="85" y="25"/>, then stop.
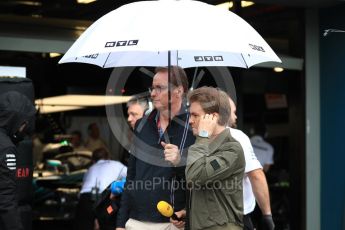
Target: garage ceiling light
<point x="278" y="69"/>
<point x="53" y="55"/>
<point x="85" y="1"/>
<point x="28" y="3"/>
<point x="246" y="3"/>
<point x="230" y="4"/>
<point x="82" y="100"/>
<point x="44" y="109"/>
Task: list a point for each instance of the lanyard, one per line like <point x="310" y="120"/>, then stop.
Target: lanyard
<point x="183" y="141"/>
<point x="159" y="127"/>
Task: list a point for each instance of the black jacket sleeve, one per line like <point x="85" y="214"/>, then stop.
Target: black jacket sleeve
<point x="9" y="214"/>
<point x="8" y="179"/>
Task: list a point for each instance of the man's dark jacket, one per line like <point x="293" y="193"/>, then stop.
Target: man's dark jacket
<point x="149" y="176"/>
<point x="15" y="109"/>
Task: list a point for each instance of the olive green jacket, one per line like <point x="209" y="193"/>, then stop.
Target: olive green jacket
<point x="214" y="175"/>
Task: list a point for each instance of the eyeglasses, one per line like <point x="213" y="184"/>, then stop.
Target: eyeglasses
<point x="158" y="88"/>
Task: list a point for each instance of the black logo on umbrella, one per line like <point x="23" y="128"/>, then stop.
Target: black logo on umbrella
<point x="110" y="44"/>
<point x="258" y="48"/>
<point x="93" y="56"/>
<point x="198" y="58"/>
<point x="208" y="58"/>
<point x="132" y="42"/>
<point x="218" y="58"/>
<point x="122" y="43"/>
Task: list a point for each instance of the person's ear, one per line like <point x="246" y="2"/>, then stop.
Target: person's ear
<point x="215" y="116"/>
<point x="179" y="90"/>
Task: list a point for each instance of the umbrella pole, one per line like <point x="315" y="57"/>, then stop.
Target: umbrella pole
<point x="166" y="136"/>
<point x="169" y="86"/>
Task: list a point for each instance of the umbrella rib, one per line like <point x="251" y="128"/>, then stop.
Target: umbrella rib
<point x="244" y="60"/>
<point x="177" y="57"/>
<point x="105" y="62"/>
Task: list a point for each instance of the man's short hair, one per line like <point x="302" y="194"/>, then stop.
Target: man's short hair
<point x="140" y="101"/>
<point x="100" y="153"/>
<point x="178" y="76"/>
<point x="212" y="100"/>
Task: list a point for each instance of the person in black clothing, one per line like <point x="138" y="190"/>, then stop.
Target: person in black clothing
<point x="136" y="108"/>
<point x="158" y="156"/>
<point x="16" y="119"/>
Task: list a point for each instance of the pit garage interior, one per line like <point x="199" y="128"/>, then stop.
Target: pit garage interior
<point x="302" y="106"/>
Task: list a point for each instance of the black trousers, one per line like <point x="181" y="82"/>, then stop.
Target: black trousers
<point x="84" y="217"/>
<point x="247" y="221"/>
<point x="10" y="220"/>
<point x="26" y="216"/>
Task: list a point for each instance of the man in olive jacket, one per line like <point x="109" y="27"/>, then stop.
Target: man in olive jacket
<point x="215" y="164"/>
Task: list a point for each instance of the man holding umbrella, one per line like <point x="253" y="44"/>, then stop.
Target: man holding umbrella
<point x="156" y="166"/>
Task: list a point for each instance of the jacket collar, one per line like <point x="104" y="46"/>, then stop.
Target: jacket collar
<point x="219" y="140"/>
<point x="155" y="113"/>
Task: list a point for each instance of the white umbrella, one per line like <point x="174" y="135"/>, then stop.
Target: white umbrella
<point x="191" y="32"/>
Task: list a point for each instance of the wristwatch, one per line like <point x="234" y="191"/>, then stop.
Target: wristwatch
<point x="203" y="133"/>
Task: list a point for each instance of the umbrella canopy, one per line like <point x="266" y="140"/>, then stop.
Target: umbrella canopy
<point x="193" y="33"/>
